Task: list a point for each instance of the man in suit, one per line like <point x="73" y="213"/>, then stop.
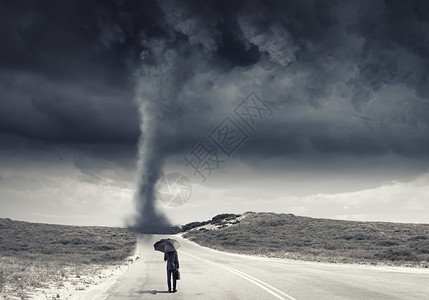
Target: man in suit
<point x="172" y="265"/>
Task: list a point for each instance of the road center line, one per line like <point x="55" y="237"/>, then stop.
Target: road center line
<point x="263" y="285"/>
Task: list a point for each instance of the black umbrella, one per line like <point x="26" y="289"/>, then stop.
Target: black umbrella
<point x="166" y="245"/>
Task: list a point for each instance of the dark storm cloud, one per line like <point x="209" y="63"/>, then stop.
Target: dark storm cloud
<point x="55" y="85"/>
<point x="355" y="72"/>
<point x="84" y="83"/>
<point x="355" y="79"/>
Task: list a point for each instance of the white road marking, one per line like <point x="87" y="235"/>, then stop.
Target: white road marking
<point x="263" y="285"/>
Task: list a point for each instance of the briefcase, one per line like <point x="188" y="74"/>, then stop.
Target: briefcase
<point x="177" y="275"/>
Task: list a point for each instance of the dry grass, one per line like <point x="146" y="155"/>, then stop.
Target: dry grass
<point x="37" y="255"/>
<point x="289" y="236"/>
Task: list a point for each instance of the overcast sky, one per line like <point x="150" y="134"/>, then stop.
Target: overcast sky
<point x="344" y="87"/>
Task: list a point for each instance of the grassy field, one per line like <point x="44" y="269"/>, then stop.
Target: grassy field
<point x="34" y="255"/>
<point x="294" y="237"/>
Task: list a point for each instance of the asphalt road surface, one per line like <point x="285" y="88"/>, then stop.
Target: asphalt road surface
<point x="211" y="274"/>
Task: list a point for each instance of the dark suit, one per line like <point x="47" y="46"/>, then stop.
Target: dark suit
<point x="172" y="259"/>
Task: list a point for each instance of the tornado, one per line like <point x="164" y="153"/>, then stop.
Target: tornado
<point x="161" y="77"/>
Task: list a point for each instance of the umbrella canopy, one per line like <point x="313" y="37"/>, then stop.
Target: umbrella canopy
<point x="166" y="245"/>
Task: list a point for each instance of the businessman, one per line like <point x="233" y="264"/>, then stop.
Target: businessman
<point x="172" y="265"/>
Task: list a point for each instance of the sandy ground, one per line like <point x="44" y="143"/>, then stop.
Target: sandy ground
<point x="92" y="287"/>
<point x="82" y="287"/>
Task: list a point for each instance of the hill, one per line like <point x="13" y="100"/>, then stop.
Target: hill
<point x="314" y="239"/>
<point x="34" y="255"/>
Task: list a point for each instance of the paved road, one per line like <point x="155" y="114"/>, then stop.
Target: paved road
<point x="210" y="274"/>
